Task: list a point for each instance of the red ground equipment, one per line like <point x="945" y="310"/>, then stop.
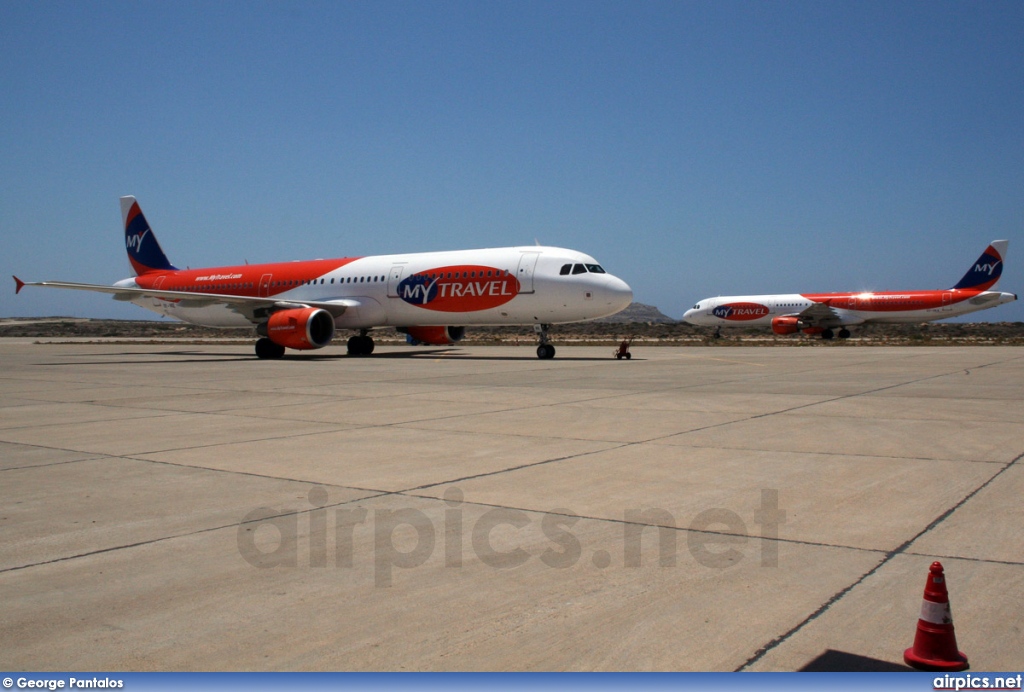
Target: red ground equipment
<point x="623" y="350"/>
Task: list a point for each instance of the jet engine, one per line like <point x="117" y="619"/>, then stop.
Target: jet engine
<point x="300" y="328"/>
<point x="434" y="336"/>
<point x="787" y="325"/>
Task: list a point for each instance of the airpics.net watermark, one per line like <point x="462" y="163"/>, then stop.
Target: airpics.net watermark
<point x="407" y="537"/>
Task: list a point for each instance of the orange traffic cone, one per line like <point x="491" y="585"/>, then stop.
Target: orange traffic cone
<point x="935" y="643"/>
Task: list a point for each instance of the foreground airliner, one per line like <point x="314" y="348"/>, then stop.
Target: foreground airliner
<point x="430" y="296"/>
<point x="820" y="313"/>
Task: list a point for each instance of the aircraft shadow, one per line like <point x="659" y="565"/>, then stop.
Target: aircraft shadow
<point x="199" y="356"/>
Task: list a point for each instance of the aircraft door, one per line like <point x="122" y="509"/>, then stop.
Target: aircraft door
<point x="527" y="267"/>
<point x="395" y="278"/>
<point x="265" y="285"/>
<point x="946" y="302"/>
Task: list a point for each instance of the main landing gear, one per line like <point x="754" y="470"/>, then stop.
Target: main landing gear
<point x="361" y="345"/>
<point x="844" y="333"/>
<point x="265" y="348"/>
<point x="545" y="351"/>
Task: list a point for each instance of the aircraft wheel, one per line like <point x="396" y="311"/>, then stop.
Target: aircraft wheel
<point x="827" y="334"/>
<point x="629" y="356"/>
<point x="267" y="349"/>
<point x="545" y="351"/>
<point x="360" y="346"/>
<point x="844" y="333"/>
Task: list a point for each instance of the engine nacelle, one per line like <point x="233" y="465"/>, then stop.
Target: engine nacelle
<point x="434" y="336"/>
<point x="787" y="325"/>
<point x="300" y="328"/>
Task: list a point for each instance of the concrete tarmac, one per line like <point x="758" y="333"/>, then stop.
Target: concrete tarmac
<point x="192" y="508"/>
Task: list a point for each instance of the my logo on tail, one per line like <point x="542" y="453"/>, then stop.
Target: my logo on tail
<point x="134" y="242"/>
<point x="987" y="268"/>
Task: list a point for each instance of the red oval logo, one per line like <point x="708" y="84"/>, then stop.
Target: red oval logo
<point x="740" y="312"/>
<point x="463" y="288"/>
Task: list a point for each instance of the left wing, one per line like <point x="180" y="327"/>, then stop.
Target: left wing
<point x="254" y="309"/>
<point x="819" y="315"/>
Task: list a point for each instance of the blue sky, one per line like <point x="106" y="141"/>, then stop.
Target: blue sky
<point x="694" y="148"/>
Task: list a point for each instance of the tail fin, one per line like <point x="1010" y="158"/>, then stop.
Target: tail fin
<point x="144" y="252"/>
<point x="986" y="271"/>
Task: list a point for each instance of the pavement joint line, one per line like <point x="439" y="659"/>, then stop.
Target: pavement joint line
<point x="510" y="469"/>
<point x="900" y="550"/>
<point x="622" y="445"/>
<point x="186" y="534"/>
<point x="816" y="403"/>
<point x="53" y="463"/>
<point x="843" y="454"/>
<point x="176" y="449"/>
<point x="980" y="560"/>
<point x="114" y="419"/>
<point x="130" y="457"/>
<point x="686" y="529"/>
<point x="234" y="472"/>
<point x="681" y="529"/>
<point x="384" y="493"/>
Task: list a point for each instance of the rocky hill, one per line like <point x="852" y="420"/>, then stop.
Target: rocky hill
<point x="638" y="312"/>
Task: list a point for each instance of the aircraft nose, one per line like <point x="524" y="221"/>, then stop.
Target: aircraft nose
<point x="620" y="295"/>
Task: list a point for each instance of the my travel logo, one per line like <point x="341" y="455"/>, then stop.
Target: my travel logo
<point x="988" y="268"/>
<point x="134" y="242"/>
<point x="462" y="288"/>
<point x="739" y="312"/>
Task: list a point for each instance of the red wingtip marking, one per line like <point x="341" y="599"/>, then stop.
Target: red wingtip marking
<point x="18" y="285"/>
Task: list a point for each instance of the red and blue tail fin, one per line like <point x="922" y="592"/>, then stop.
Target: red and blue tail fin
<point x="144" y="252"/>
<point x="987" y="269"/>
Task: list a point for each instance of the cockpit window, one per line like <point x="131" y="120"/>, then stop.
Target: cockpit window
<point x="595" y="269"/>
<point x="565" y="269"/>
<point x="697" y="306"/>
<point x="579" y="269"/>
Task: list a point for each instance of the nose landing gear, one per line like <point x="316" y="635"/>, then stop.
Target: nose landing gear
<point x="545" y="351"/>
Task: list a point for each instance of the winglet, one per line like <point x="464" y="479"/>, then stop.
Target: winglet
<point x="18" y="285"/>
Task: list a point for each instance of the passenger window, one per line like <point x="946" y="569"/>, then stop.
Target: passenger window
<point x="579" y="269"/>
<point x="566" y="268"/>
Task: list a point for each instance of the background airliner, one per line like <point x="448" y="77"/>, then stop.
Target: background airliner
<point x="820" y="313"/>
<point x="300" y="304"/>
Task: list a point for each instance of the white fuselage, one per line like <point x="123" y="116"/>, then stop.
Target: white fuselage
<point x="499" y="286"/>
